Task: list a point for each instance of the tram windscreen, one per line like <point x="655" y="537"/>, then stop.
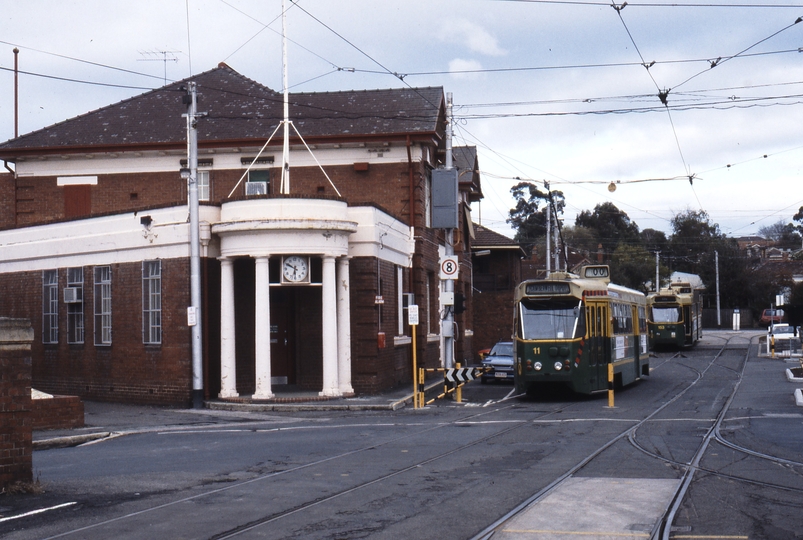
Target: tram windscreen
<point x="665" y="314"/>
<point x="561" y="319"/>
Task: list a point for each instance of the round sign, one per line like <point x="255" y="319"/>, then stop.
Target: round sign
<point x="449" y="267"/>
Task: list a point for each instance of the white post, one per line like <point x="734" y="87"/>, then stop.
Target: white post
<point x="447" y="324"/>
<point x="343" y="327"/>
<point x="719" y="315"/>
<point x="285" y="184"/>
<point x="331" y="387"/>
<point x="195" y="250"/>
<point x="262" y="330"/>
<point x="228" y="360"/>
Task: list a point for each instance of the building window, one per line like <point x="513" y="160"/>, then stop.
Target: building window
<point x="50" y="306"/>
<point x="203" y="186"/>
<point x="152" y="302"/>
<point x="103" y="305"/>
<point x="258" y="182"/>
<point x="427" y="185"/>
<point x="74" y="298"/>
<point x="400" y="302"/>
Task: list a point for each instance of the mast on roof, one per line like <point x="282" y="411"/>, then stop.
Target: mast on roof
<point x="285" y="184"/>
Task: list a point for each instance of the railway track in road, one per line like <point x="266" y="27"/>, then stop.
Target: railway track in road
<point x="517" y="524"/>
<point x="367" y="470"/>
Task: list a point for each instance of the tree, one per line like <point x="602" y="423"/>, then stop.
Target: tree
<point x="611" y="225"/>
<point x="783" y="235"/>
<point x="633" y="266"/>
<point x="693" y="236"/>
<point x="529" y="215"/>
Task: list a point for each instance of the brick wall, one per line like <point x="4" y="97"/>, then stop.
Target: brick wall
<point x="16" y="441"/>
<point x="58" y="412"/>
<point x="127" y="370"/>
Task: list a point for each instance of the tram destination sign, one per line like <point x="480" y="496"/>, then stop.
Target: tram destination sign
<point x="547" y="288"/>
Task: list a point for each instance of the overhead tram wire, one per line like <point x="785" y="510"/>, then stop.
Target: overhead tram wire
<point x="720" y="61"/>
<point x="654" y="5"/>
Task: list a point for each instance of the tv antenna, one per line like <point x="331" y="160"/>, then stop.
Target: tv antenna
<point x="153" y="56"/>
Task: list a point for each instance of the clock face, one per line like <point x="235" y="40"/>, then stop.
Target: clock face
<point x="295" y="269"/>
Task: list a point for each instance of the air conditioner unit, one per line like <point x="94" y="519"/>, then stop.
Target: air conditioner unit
<point x="256" y="188"/>
<point x="72" y="295"/>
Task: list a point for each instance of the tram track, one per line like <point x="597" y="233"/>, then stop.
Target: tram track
<point x="661" y="526"/>
<point x="475" y="417"/>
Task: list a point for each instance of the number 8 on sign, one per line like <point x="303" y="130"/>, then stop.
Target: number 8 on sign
<point x="449" y="267"/>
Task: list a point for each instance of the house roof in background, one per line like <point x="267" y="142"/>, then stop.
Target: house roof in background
<point x="239" y="109"/>
<point x="485" y="238"/>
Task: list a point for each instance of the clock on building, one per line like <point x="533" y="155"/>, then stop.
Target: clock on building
<point x="295" y="269"/>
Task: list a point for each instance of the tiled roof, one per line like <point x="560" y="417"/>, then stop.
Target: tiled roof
<point x="486" y="238"/>
<point x="239" y="109"/>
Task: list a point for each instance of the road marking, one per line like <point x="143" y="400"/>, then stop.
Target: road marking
<point x="33" y="512"/>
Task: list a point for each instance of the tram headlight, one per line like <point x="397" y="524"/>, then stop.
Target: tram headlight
<point x="537" y="366"/>
<point x="558" y="366"/>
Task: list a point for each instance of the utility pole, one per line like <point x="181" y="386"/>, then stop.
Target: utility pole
<point x="448" y="286"/>
<point x="194" y="311"/>
<point x="657" y="271"/>
<point x="548" y="235"/>
<point x="719" y="317"/>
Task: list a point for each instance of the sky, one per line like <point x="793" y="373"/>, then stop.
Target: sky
<point x="680" y="105"/>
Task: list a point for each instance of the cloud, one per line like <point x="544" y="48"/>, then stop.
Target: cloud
<point x="473" y="36"/>
<point x="458" y="65"/>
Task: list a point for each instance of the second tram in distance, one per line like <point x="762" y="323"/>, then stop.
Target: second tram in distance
<point x="675" y="316"/>
<point x="569" y="328"/>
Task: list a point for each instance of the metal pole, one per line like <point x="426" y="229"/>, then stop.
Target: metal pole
<point x="657" y="272"/>
<point x="16" y="95"/>
<point x="719" y="315"/>
<point x="448" y="321"/>
<point x="548" y="239"/>
<point x="195" y="252"/>
<point x="285" y="187"/>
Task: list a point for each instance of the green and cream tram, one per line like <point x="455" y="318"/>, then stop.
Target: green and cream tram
<point x="674" y="316"/>
<point x="569" y="328"/>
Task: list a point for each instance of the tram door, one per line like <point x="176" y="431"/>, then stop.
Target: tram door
<point x="598" y="350"/>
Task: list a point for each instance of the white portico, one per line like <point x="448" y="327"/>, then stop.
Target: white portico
<point x="295" y="230"/>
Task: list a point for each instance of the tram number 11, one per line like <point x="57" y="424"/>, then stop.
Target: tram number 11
<point x="536" y="350"/>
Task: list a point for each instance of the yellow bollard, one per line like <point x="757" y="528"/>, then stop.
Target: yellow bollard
<point x="459" y="390"/>
<point x="610" y="385"/>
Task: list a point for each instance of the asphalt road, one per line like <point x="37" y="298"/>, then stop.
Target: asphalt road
<point x="452" y="470"/>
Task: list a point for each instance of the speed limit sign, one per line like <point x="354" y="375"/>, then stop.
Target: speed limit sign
<point x="449" y="267"/>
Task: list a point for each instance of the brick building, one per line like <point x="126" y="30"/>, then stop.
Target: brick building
<point x="303" y="291"/>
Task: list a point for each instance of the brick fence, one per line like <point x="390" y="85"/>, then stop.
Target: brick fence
<point x="16" y="439"/>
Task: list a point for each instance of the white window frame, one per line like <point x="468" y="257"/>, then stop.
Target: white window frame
<point x="204" y="185"/>
<point x="152" y="302"/>
<point x="400" y="299"/>
<point x="75" y="310"/>
<point x="50" y="306"/>
<point x="103" y="305"/>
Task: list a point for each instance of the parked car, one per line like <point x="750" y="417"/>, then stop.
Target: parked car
<point x="499" y="363"/>
<point x="771" y="316"/>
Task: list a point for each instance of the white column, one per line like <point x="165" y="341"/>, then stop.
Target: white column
<point x="262" y="330"/>
<point x="343" y="327"/>
<point x="329" y="310"/>
<point x="228" y="364"/>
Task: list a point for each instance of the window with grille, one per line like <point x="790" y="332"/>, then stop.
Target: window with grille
<point x="50" y="306"/>
<point x="103" y="305"/>
<point x="75" y="305"/>
<point x="152" y="302"/>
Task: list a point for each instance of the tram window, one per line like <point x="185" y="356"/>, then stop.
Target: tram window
<point x="552" y="320"/>
<point x="665" y="314"/>
<point x="642" y="320"/>
<point x="622" y="319"/>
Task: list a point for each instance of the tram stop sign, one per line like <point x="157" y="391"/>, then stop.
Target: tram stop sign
<point x="412" y="315"/>
<point x="449" y="267"/>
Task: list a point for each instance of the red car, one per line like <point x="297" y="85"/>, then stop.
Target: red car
<point x="771" y="316"/>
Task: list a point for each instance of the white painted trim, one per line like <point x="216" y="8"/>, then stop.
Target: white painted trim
<point x="77" y="181"/>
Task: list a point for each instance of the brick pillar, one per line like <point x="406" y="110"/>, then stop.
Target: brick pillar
<point x="16" y="439"/>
